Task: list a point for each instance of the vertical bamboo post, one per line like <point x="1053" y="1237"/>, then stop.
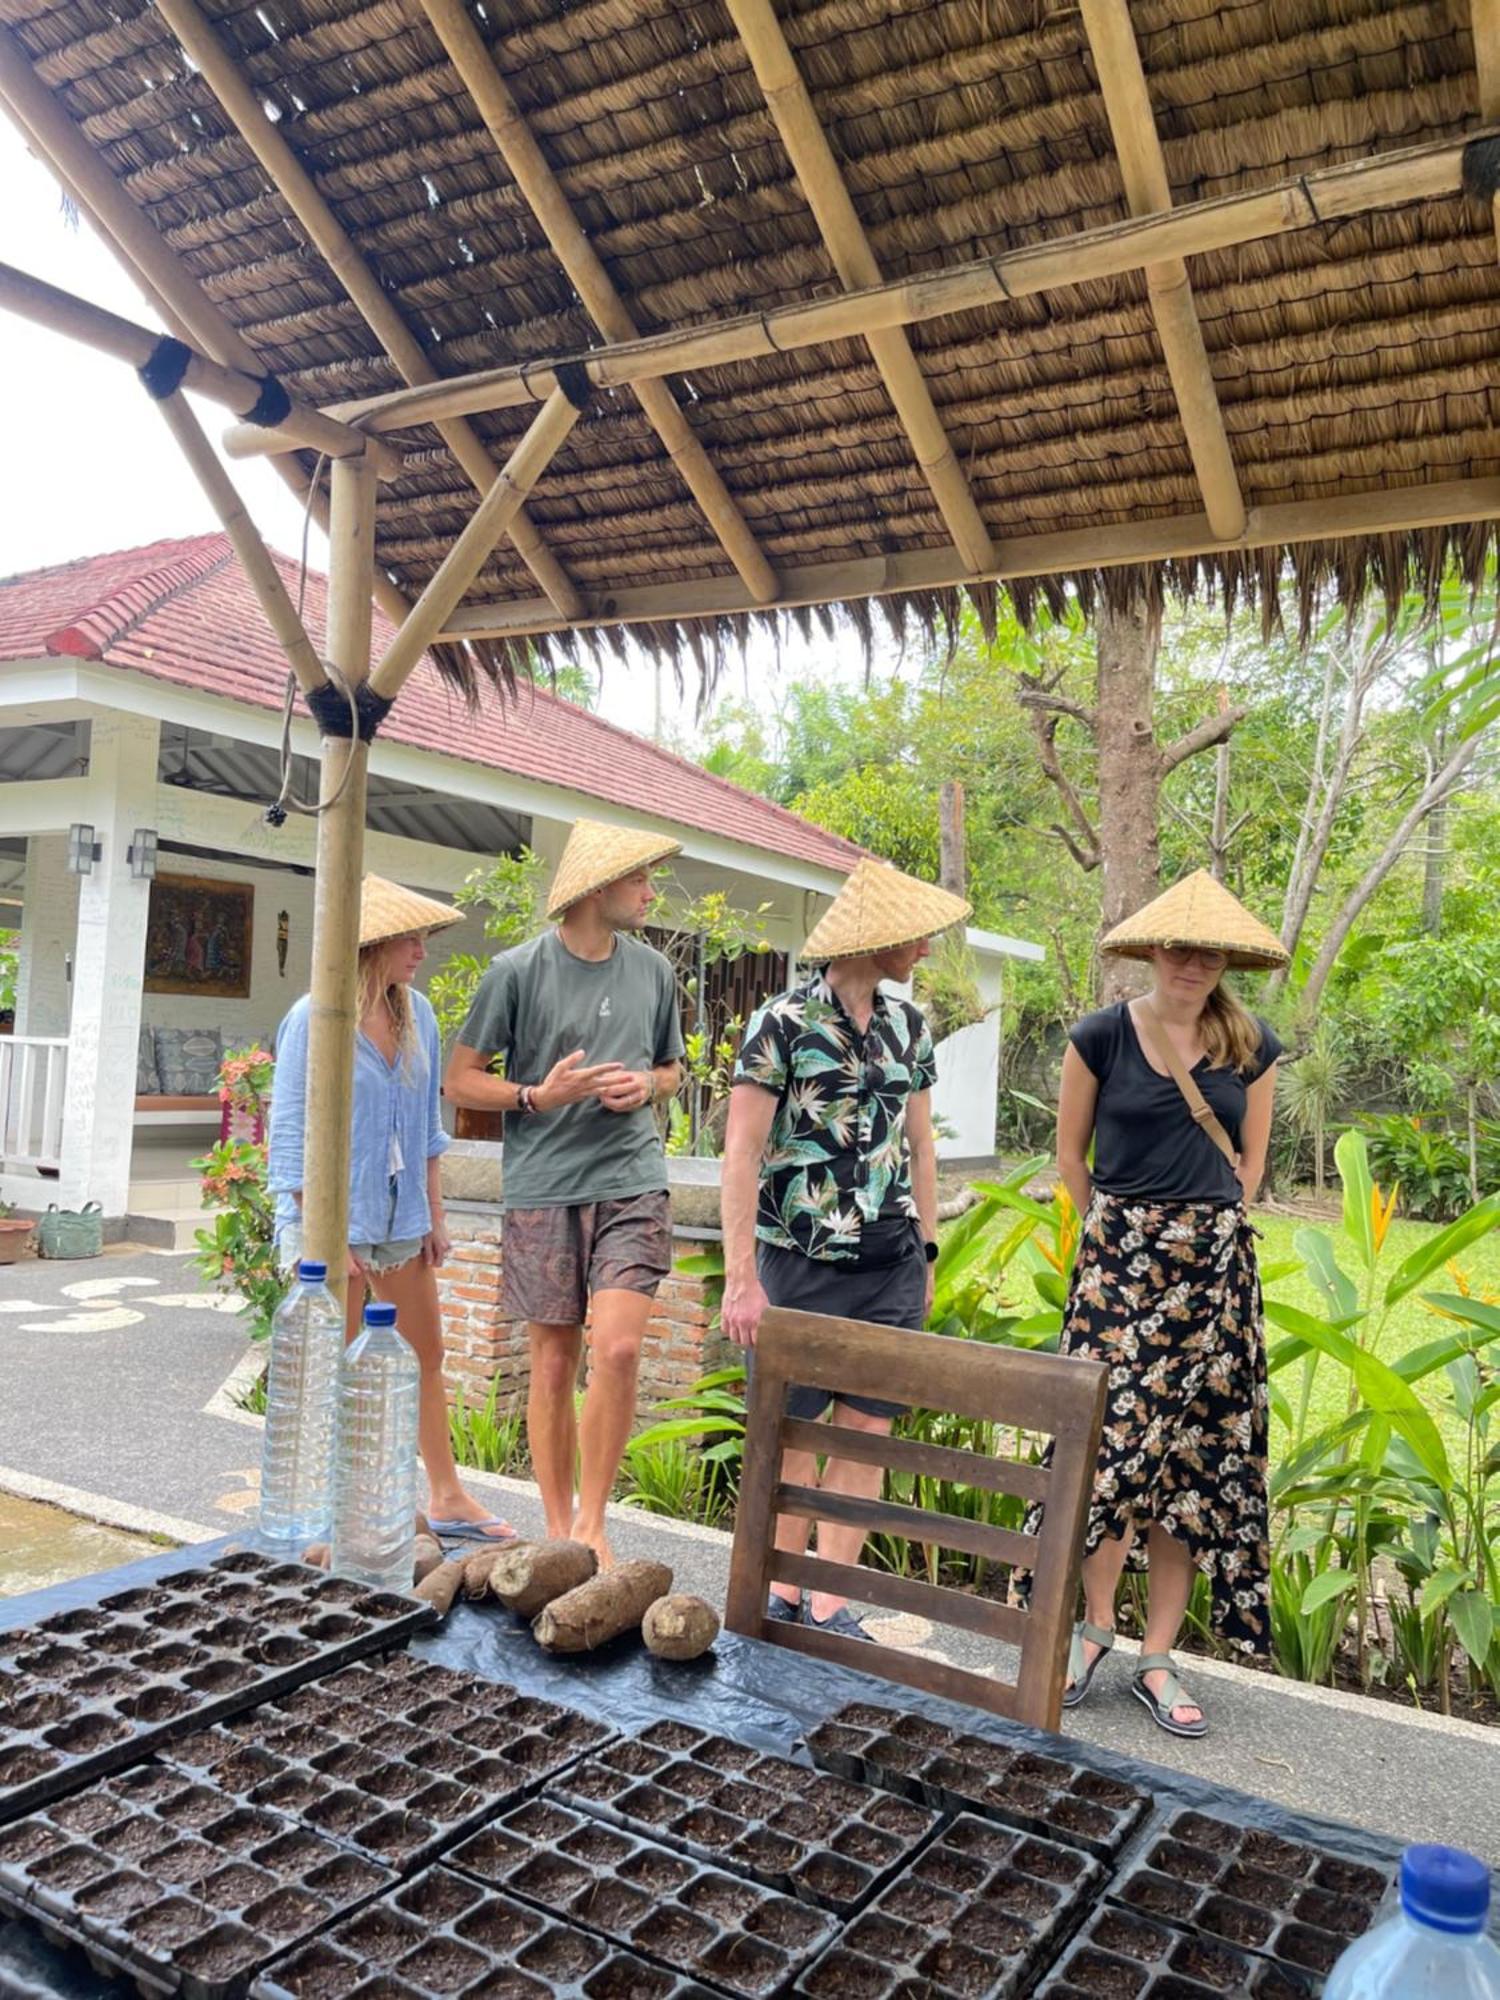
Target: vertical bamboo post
<point x="340" y="866"/>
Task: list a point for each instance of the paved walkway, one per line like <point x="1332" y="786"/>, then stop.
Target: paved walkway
<point x="112" y="1404"/>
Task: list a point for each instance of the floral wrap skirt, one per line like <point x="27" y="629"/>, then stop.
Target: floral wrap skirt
<point x="1167" y="1296"/>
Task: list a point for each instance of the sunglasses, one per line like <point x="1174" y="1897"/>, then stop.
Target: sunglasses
<point x="1184" y="954"/>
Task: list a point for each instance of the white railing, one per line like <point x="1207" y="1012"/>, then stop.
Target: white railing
<point x="33" y="1080"/>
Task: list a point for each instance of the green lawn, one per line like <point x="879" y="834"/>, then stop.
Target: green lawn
<point x="1409" y="1325"/>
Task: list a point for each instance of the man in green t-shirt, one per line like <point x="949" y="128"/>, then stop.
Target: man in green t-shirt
<point x="586" y="1019"/>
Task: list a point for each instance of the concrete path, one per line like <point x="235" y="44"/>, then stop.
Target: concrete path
<point x="112" y="1404"/>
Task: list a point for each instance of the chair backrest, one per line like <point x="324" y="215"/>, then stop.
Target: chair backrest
<point x="1036" y="1393"/>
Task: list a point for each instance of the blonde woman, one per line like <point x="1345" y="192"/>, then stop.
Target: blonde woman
<point x="1173" y="1093"/>
<point x="397" y="1237"/>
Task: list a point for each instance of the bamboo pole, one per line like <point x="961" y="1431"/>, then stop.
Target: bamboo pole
<point x="62" y="312"/>
<point x="340" y="867"/>
<point x="150" y="262"/>
<point x="534" y="177"/>
<point x="1143" y="169"/>
<point x="1386" y="180"/>
<point x="1387" y="511"/>
<point x="807" y="147"/>
<point x="333" y="244"/>
<point x="255" y="557"/>
<point x="463" y="562"/>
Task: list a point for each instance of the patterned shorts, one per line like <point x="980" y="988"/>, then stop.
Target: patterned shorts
<point x="554" y="1259"/>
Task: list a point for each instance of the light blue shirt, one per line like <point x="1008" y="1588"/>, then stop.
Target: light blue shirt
<point x="397" y="1129"/>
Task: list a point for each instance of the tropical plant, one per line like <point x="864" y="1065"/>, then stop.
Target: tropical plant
<point x="712" y="1412"/>
<point x="1308" y="1089"/>
<point x="946" y="986"/>
<point x="1004" y="1266"/>
<point x="509" y="896"/>
<point x="238" y="1252"/>
<point x="10" y="965"/>
<point x="662" y="1476"/>
<point x="1426" y="1162"/>
<point x="486" y="1437"/>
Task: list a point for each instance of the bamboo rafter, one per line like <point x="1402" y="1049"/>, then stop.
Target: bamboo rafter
<point x="1418" y="173"/>
<point x="244" y="108"/>
<point x="534" y="176"/>
<point x="1143" y="170"/>
<point x="811" y="156"/>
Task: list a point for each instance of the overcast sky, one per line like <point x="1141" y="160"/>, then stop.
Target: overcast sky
<point x="89" y="465"/>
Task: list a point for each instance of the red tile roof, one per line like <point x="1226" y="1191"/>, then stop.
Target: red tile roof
<point x="183" y="612"/>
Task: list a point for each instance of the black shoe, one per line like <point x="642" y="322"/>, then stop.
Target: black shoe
<point x="784" y="1610"/>
<point x="843" y="1622"/>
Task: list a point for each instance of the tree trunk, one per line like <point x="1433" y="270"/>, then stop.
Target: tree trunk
<point x="1473" y="1098"/>
<point x="1433" y="792"/>
<point x="953" y="864"/>
<point x="1130" y="770"/>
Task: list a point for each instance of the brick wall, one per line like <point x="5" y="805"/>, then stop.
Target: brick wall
<point x="481" y="1346"/>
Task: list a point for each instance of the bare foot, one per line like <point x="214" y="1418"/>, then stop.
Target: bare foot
<point x="597" y="1540"/>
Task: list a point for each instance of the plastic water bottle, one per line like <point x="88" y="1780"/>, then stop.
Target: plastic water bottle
<point x="297" y="1456"/>
<point x="1436" y="1949"/>
<point x="375" y="1494"/>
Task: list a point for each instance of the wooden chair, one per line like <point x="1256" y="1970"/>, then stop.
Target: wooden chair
<point x="1059" y="1397"/>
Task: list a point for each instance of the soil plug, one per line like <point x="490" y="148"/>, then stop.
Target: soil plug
<point x="477" y="1569"/>
<point x="442" y="1586"/>
<point x="602" y="1608"/>
<point x="427" y="1555"/>
<point x="679" y="1627"/>
<point x="528" y="1575"/>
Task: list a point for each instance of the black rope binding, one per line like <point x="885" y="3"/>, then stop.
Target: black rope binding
<point x="330" y="710"/>
<point x="1481" y="168"/>
<point x="164" y="367"/>
<point x="573" y="380"/>
<point x="272" y="406"/>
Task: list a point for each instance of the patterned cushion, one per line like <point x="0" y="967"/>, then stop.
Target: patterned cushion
<point x="187" y="1061"/>
<point x="147" y="1082"/>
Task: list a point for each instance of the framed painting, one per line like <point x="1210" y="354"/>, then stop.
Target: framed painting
<point x="198" y="937"/>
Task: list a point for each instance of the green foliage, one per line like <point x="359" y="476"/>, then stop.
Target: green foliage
<point x="486" y="1437"/>
<point x="1427" y="1164"/>
<point x="238" y="1252"/>
<point x="510" y="895"/>
<point x="664" y="1477"/>
<point x="947" y="987"/>
<point x="1309" y="1087"/>
<point x="10" y="963"/>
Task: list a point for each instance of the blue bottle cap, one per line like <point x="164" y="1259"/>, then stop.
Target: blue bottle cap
<point x="1445" y="1888"/>
<point x="311" y="1272"/>
<point x="378" y="1313"/>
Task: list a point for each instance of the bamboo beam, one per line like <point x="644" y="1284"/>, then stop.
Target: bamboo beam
<point x="468" y="555"/>
<point x="1143" y="169"/>
<point x="147" y="260"/>
<point x="842" y="231"/>
<point x="255" y="557"/>
<point x="1387" y="180"/>
<point x="534" y="177"/>
<point x="332" y="1004"/>
<point x="333" y="244"/>
<point x="1389" y="510"/>
<point x="61" y="312"/>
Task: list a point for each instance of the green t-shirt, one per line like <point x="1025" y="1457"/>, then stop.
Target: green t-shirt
<point x="535" y="1005"/>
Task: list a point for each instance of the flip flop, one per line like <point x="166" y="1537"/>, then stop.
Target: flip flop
<point x="1080" y="1671"/>
<point x="1173" y="1695"/>
<point x="475" y="1531"/>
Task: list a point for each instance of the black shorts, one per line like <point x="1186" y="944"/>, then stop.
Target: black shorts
<point x="888" y="1285"/>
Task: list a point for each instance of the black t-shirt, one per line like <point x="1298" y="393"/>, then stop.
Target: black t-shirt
<point x="1147" y="1144"/>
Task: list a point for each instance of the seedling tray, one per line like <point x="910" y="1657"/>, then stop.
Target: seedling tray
<point x="801" y="1831"/>
<point x="443" y="1934"/>
<point x="1298" y="1904"/>
<point x="176" y="1883"/>
<point x="729" y="1933"/>
<point x="338" y="1759"/>
<point x="1122" y="1956"/>
<point x="921" y="1759"/>
<point x="90" y="1690"/>
<point x="971" y="1919"/>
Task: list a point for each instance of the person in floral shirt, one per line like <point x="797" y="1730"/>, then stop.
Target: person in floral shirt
<point x="829" y="1186"/>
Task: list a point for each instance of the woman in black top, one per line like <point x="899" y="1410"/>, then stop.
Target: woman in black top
<point x="1165" y="1290"/>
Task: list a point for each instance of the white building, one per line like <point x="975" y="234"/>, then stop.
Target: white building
<point x="140" y="717"/>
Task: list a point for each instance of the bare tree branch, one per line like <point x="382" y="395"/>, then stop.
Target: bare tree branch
<point x="1085" y="852"/>
<point x="1202" y="736"/>
<point x="1038" y="695"/>
<point x="1086" y="861"/>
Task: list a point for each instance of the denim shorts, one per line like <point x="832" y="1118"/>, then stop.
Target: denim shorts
<point x="377" y="1257"/>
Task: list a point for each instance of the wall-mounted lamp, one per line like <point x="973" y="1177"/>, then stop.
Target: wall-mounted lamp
<point x="83" y="850"/>
<point x="141" y="854"/>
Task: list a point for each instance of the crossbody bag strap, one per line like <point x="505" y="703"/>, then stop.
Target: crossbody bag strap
<point x="1159" y="1045"/>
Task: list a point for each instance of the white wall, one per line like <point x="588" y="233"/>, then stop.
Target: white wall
<point x="49" y="922"/>
<point x="968" y="1065"/>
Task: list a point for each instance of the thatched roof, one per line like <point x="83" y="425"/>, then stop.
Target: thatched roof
<point x="1355" y="357"/>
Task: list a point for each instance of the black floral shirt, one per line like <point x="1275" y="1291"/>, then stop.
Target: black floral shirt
<point x="837" y="1156"/>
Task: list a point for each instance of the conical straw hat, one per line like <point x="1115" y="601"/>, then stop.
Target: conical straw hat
<point x="597" y="855"/>
<point x="878" y="908"/>
<point x="386" y="910"/>
<point x="1198" y="910"/>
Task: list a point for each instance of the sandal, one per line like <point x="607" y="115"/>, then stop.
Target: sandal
<point x="1080" y="1670"/>
<point x="1173" y="1695"/>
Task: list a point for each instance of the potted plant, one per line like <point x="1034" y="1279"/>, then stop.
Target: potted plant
<point x="15" y="1234"/>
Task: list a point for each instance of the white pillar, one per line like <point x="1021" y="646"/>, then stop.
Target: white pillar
<point x="49" y="909"/>
<point x="108" y="968"/>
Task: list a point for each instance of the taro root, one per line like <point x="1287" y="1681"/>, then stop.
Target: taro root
<point x="679" y="1627"/>
<point x="528" y="1575"/>
<point x="441" y="1586"/>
